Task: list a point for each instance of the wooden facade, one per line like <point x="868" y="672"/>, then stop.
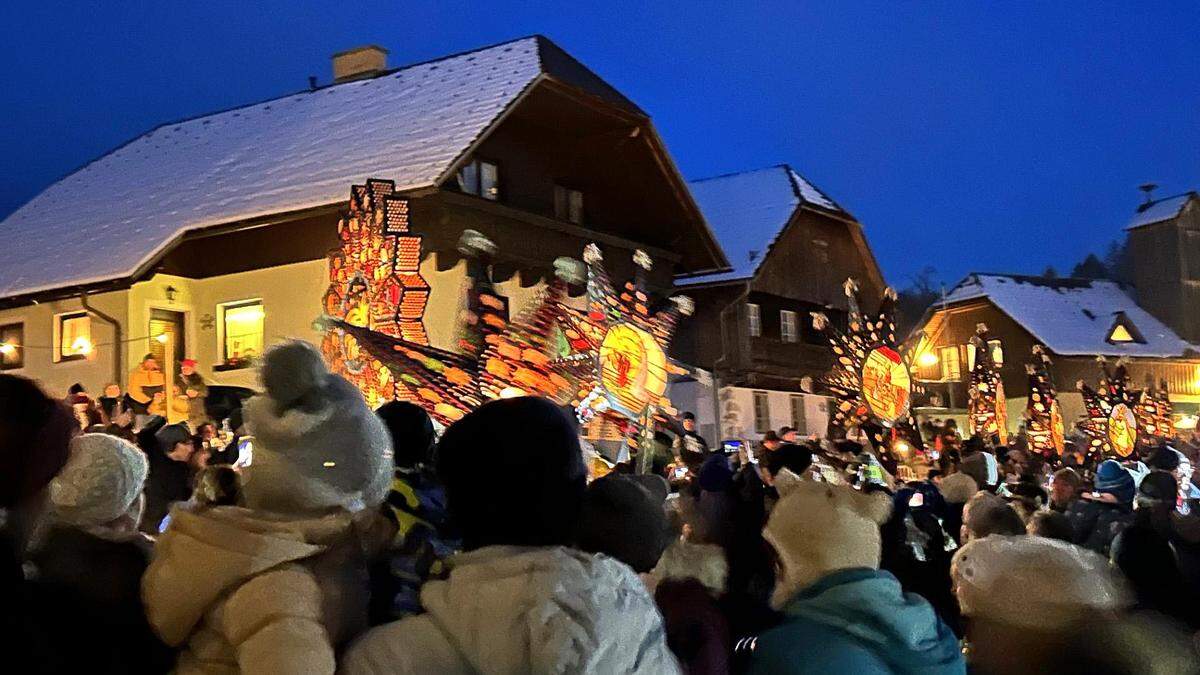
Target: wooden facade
<point x="1166" y="269"/>
<point x="802" y="272"/>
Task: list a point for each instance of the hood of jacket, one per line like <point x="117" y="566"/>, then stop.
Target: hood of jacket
<point x="204" y="555"/>
<point x="901" y="628"/>
<point x="548" y="610"/>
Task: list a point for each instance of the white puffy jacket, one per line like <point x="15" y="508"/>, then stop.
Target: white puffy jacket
<point x="523" y="610"/>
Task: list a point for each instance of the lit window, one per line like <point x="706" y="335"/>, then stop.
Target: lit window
<point x="72" y="336"/>
<point x="798" y="420"/>
<point x="789" y="328"/>
<point x="241" y="332"/>
<point x="1120" y="334"/>
<point x="568" y="204"/>
<point x="480" y="178"/>
<point x="762" y="412"/>
<point x="754" y="319"/>
<point x="948" y="356"/>
<point x="12" y="346"/>
<point x="997" y="352"/>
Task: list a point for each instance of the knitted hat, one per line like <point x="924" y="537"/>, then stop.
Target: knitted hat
<point x="316" y="443"/>
<point x="513" y="473"/>
<point x="625" y="520"/>
<point x="819" y="528"/>
<point x="35" y="432"/>
<point x="411" y="431"/>
<point x="1113" y="479"/>
<point x="102" y="479"/>
<point x="957" y="488"/>
<point x="1033" y="582"/>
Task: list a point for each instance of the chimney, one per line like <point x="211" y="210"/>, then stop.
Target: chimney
<point x="359" y="63"/>
<point x="1149" y="189"/>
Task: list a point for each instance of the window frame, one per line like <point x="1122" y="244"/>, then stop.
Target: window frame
<point x="564" y="204"/>
<point x="944" y="362"/>
<point x="19" y="346"/>
<point x="478" y="164"/>
<point x="60" y="320"/>
<point x="799" y="421"/>
<point x="789" y="326"/>
<point x="222" y="343"/>
<point x="754" y="319"/>
<point x="762" y="423"/>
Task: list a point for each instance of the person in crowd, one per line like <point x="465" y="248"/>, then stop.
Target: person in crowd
<point x="91" y="558"/>
<point x="689" y="587"/>
<point x="957" y="489"/>
<point x="789" y="435"/>
<point x="1099" y="516"/>
<point x="979" y="462"/>
<point x="191" y="384"/>
<point x="85" y="409"/>
<point x="519" y="599"/>
<point x="35" y="433"/>
<point x="623" y="516"/>
<point x="145" y="382"/>
<point x="715" y="502"/>
<point x="231" y="454"/>
<point x="770" y="441"/>
<point x="416" y="506"/>
<point x="1065" y="486"/>
<point x="280" y="584"/>
<point x="986" y="514"/>
<point x="841" y="613"/>
<point x="1050" y="524"/>
<point x="1167" y="458"/>
<point x="690" y="446"/>
<point x="120" y="422"/>
<point x="170" y="449"/>
<point x="217" y="485"/>
<point x="786" y="465"/>
<point x="1025" y="497"/>
<point x="662" y="453"/>
<point x="108" y="401"/>
<point x="1143" y="552"/>
<point x="917" y="550"/>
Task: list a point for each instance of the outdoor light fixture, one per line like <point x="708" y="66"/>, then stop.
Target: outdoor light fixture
<point x="162" y="338"/>
<point x="8" y="348"/>
<point x="927" y="360"/>
<point x="82" y="345"/>
<point x="171" y="291"/>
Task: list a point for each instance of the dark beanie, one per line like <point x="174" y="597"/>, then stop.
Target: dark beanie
<point x="790" y="456"/>
<point x="513" y="474"/>
<point x="35" y="434"/>
<point x="1113" y="479"/>
<point x="411" y="430"/>
<point x="624" y="519"/>
<point x="1164" y="458"/>
<point x="171" y="435"/>
<point x="1159" y="486"/>
<point x="715" y="474"/>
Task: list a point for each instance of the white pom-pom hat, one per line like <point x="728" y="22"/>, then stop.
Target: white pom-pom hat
<point x="101" y="481"/>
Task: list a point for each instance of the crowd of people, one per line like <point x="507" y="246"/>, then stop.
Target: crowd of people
<point x="326" y="537"/>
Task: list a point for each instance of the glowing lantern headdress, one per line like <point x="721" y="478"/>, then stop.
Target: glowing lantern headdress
<point x="870" y="376"/>
<point x="987" y="412"/>
<point x="1043" y="417"/>
<point x="1111" y="425"/>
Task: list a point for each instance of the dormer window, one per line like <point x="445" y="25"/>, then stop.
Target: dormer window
<point x="480" y="178"/>
<point x="1123" y="331"/>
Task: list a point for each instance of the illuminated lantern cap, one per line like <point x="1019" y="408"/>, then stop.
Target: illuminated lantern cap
<point x="1122" y="430"/>
<point x="886" y="385"/>
<point x="1057" y="428"/>
<point x="633" y="368"/>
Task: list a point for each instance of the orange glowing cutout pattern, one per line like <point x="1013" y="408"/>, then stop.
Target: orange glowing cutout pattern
<point x="886" y="385"/>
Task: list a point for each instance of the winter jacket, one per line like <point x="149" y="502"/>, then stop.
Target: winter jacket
<point x="169" y="482"/>
<point x="1096" y="523"/>
<point x="87" y="588"/>
<point x="858" y="621"/>
<point x="697" y="631"/>
<point x="508" y="609"/>
<point x="245" y="591"/>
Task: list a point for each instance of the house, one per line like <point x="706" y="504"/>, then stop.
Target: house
<point x="1163" y="240"/>
<point x="215" y="229"/>
<point x="792" y="247"/>
<point x="1075" y="320"/>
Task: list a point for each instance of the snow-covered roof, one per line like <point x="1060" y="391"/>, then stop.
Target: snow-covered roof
<point x="748" y="210"/>
<point x="114" y="215"/>
<point x="1072" y="317"/>
<point x="1158" y="211"/>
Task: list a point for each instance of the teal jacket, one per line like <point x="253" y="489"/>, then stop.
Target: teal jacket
<point x="858" y="621"/>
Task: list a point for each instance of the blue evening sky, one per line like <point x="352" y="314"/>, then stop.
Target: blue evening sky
<point x="967" y="136"/>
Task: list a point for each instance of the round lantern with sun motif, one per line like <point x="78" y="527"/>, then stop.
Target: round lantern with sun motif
<point x="886" y="385"/>
<point x="633" y="369"/>
<point x="1122" y="430"/>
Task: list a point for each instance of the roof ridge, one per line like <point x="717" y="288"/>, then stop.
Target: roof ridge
<point x="299" y="92"/>
<point x="743" y="172"/>
<point x="1144" y="206"/>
